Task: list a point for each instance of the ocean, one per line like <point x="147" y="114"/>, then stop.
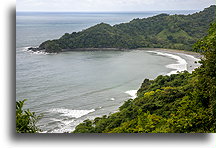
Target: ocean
<point x="70" y="87"/>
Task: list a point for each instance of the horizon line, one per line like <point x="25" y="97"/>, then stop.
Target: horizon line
<point x="107" y="11"/>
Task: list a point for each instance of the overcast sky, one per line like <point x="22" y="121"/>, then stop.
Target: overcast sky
<point x="111" y="5"/>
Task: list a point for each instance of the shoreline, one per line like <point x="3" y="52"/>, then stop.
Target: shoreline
<point x="195" y="54"/>
<point x="192" y="53"/>
<point x="190" y="57"/>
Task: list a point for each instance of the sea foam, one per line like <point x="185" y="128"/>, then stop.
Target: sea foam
<point x="112" y="99"/>
<point x="132" y="93"/>
<point x="180" y="66"/>
<point x="26" y="49"/>
<point x="66" y="125"/>
<point x="71" y="113"/>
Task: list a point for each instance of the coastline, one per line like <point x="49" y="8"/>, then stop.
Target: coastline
<point x="187" y="59"/>
<point x="190" y="57"/>
<point x="195" y="54"/>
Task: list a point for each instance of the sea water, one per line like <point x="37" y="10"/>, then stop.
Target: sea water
<point x="70" y="87"/>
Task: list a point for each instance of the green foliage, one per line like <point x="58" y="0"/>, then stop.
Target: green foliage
<point x="25" y="120"/>
<point x="50" y="46"/>
<point x="161" y="31"/>
<point x="206" y="73"/>
<point x="179" y="103"/>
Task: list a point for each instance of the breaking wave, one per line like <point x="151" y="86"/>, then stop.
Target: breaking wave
<point x="132" y="93"/>
<point x="180" y="66"/>
<point x="71" y="113"/>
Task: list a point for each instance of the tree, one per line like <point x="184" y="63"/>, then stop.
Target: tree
<point x="206" y="85"/>
<point x="25" y="119"/>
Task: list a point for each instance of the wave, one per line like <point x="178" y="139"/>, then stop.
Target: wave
<point x="180" y="66"/>
<point x="67" y="126"/>
<point x="25" y="49"/>
<point x="132" y="93"/>
<point x="65" y="122"/>
<point x="71" y="113"/>
<point x="39" y="52"/>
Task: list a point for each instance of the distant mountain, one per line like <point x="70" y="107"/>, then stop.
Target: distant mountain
<point x="160" y="31"/>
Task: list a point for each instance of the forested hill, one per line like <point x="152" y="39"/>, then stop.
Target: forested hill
<point x="179" y="103"/>
<point x="160" y="31"/>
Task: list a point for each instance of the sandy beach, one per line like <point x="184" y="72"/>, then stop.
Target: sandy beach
<point x="191" y="58"/>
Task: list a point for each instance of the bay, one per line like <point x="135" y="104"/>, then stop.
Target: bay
<point x="72" y="86"/>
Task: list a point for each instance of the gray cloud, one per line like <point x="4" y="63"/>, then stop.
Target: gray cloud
<point x="111" y="5"/>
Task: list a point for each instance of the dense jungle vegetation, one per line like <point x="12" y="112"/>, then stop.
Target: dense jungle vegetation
<point x="160" y="31"/>
<point x="179" y="103"/>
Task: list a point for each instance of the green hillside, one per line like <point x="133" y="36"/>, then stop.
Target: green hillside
<point x="180" y="103"/>
<point x="160" y="31"/>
